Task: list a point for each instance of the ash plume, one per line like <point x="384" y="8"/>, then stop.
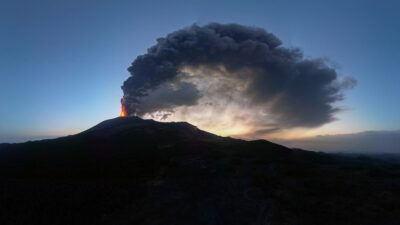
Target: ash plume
<point x="233" y="70"/>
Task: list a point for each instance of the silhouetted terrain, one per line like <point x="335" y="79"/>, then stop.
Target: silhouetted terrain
<point x="134" y="171"/>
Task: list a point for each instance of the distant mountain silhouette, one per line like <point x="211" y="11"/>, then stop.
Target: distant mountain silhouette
<point x="135" y="171"/>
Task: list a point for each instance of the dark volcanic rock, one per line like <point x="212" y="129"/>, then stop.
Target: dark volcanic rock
<point x="134" y="171"/>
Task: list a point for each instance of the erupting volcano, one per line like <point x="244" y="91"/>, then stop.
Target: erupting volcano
<point x="123" y="109"/>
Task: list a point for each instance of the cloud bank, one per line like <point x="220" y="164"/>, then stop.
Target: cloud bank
<point x="233" y="76"/>
<point x="364" y="142"/>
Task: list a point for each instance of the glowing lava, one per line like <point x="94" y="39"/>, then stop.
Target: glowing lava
<point x="123" y="109"/>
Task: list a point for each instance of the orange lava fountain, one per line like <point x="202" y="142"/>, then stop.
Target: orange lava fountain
<point x="123" y="109"/>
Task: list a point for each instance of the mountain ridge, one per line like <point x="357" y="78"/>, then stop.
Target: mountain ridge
<point x="135" y="171"/>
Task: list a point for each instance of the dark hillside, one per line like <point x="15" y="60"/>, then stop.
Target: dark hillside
<point x="134" y="171"/>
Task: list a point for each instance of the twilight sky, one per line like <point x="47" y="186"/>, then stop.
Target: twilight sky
<point x="62" y="63"/>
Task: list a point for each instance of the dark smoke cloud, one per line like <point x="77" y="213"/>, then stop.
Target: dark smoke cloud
<point x="292" y="91"/>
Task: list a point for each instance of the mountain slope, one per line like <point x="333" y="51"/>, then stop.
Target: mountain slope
<point x="112" y="147"/>
<point x="135" y="171"/>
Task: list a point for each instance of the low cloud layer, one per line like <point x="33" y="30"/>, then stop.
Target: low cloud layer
<point x="233" y="76"/>
<point x="364" y="142"/>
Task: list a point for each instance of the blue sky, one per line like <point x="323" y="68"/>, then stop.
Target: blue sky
<point x="62" y="62"/>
